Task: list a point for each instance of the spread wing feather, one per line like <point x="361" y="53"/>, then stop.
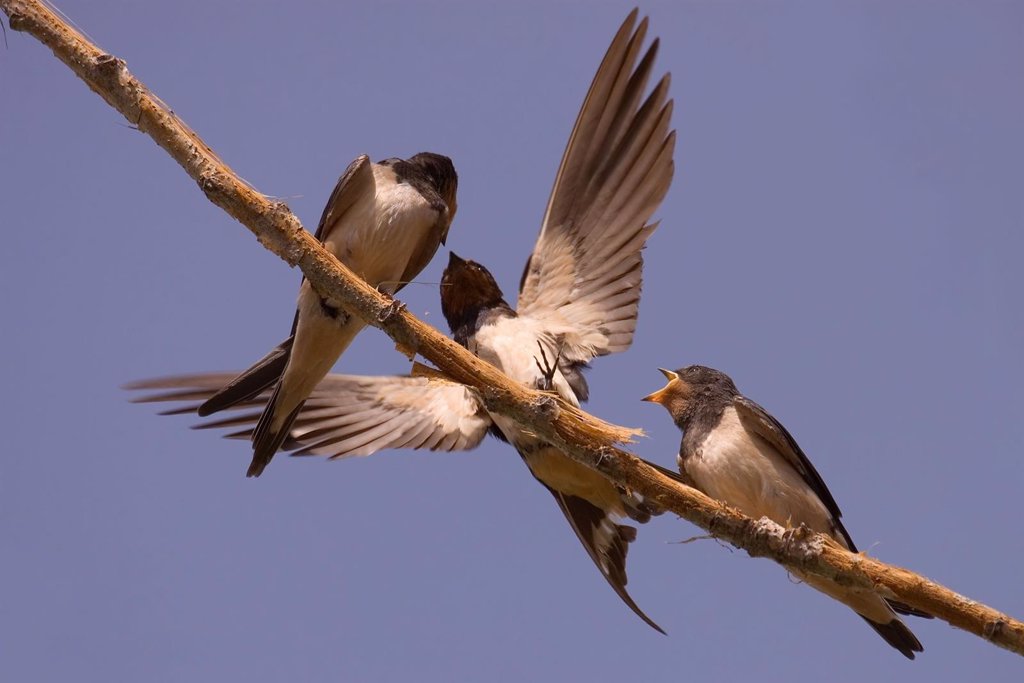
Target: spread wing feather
<point x="583" y="279"/>
<point x="348" y="415"/>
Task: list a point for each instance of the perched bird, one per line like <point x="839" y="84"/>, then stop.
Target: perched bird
<point x="578" y="299"/>
<point x="735" y="451"/>
<point x="385" y="222"/>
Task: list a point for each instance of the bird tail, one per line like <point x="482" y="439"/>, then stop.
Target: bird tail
<point x="262" y="375"/>
<point x="318" y="342"/>
<point x="606" y="542"/>
<point x="898" y="635"/>
<point x="268" y="437"/>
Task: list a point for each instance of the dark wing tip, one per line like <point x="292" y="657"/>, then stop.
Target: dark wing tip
<point x="903" y="608"/>
<point x="585" y="518"/>
<point x="898" y="636"/>
<point x="267" y="441"/>
<point x="184" y="410"/>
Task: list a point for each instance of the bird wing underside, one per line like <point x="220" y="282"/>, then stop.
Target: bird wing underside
<point x="584" y="275"/>
<point x="348" y="415"/>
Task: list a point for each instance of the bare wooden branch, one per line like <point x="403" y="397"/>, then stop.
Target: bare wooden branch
<point x="583" y="437"/>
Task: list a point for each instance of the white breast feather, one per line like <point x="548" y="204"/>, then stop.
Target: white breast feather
<point x="745" y="471"/>
<point x="511" y="344"/>
<point x="376" y="238"/>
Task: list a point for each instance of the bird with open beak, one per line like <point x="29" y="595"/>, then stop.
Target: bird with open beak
<point x="736" y="452"/>
<point x="384" y="221"/>
<point x="578" y="299"/>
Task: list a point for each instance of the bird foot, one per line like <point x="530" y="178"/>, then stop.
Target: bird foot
<point x="547" y="369"/>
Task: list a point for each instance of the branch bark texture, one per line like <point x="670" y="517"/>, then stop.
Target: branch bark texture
<point x="582" y="437"/>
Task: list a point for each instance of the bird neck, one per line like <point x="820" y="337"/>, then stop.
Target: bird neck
<point x="465" y="321"/>
<point x="703" y="410"/>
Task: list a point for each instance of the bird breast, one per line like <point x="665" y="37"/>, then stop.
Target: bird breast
<point x="378" y="237"/>
<point x="740" y="468"/>
<point x="513" y="345"/>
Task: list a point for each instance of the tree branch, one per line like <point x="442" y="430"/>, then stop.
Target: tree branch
<point x="579" y="435"/>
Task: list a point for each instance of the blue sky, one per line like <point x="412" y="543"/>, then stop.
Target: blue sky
<point x="843" y="237"/>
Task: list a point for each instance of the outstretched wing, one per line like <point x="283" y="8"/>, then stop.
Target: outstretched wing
<point x="348" y="415"/>
<point x="583" y="278"/>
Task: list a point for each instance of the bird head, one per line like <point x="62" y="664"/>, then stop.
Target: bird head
<point x="466" y="289"/>
<point x="688" y="387"/>
<point x="445" y="180"/>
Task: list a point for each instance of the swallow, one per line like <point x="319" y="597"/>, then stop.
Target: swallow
<point x="578" y="299"/>
<point x="384" y="221"/>
<point x="733" y="450"/>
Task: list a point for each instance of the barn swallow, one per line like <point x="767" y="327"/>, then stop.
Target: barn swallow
<point x="735" y="451"/>
<point x="578" y="299"/>
<point x="385" y="222"/>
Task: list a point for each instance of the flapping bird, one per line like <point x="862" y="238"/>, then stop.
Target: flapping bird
<point x="578" y="299"/>
<point x="735" y="451"/>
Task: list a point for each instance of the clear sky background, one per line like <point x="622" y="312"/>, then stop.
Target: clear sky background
<point x="843" y="237"/>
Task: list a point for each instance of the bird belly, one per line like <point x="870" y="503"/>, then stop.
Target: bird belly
<point x="378" y="238"/>
<point x="562" y="473"/>
<point x="745" y="471"/>
<point x="319" y="341"/>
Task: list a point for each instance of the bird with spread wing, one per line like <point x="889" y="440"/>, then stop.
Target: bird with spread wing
<point x="578" y="300"/>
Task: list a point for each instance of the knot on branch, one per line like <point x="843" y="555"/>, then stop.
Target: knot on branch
<point x="803" y="544"/>
<point x="993" y="629"/>
<point x="547" y="407"/>
<point x="292" y="249"/>
<point x="210" y="184"/>
<point x="604" y="452"/>
<point x="795" y="547"/>
<point x="114" y="70"/>
<point x="279" y="210"/>
<point x="108" y="64"/>
<point x="767" y="537"/>
<point x="18" y="22"/>
<point x="385" y="314"/>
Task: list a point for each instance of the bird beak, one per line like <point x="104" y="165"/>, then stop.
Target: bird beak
<point x="669" y="375"/>
<point x="453" y="259"/>
<point x="659" y="396"/>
